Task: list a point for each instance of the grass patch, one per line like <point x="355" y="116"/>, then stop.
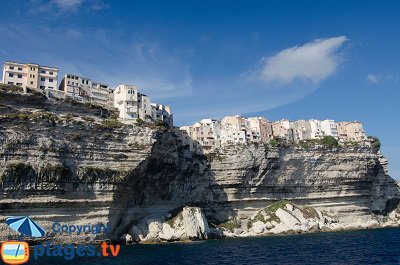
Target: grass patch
<point x="230" y="225"/>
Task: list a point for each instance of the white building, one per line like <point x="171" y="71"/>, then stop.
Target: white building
<point x="329" y="128"/>
<point x="30" y="75"/>
<point x="316" y="130"/>
<point x="84" y="89"/>
<point x="133" y="105"/>
<point x="162" y="113"/>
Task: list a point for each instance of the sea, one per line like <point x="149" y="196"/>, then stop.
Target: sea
<point x="378" y="246"/>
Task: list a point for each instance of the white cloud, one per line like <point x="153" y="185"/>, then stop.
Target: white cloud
<point x="372" y="79"/>
<point x="311" y="62"/>
<point x="67" y="4"/>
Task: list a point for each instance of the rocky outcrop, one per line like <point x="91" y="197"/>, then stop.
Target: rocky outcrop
<point x="62" y="163"/>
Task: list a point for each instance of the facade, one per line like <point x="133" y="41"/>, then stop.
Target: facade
<point x="30" y="75"/>
<point x="329" y="128"/>
<point x="84" y="89"/>
<point x="258" y="129"/>
<point x="316" y="130"/>
<point x="301" y="130"/>
<point x="162" y="113"/>
<point x="126" y="101"/>
<point x="351" y="131"/>
<point x="203" y="135"/>
<point x="283" y="129"/>
<point x="133" y="105"/>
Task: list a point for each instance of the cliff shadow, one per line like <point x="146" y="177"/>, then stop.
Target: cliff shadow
<point x="170" y="178"/>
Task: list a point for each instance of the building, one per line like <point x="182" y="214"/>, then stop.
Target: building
<point x="351" y="131"/>
<point x="301" y="130"/>
<point x="283" y="129"/>
<point x="162" y="113"/>
<point x="316" y="130"/>
<point x="84" y="90"/>
<point x="133" y="105"/>
<point x="30" y="75"/>
<point x="329" y="128"/>
<point x="203" y="135"/>
<point x="258" y="129"/>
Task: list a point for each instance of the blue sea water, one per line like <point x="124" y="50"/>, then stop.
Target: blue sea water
<point x="380" y="246"/>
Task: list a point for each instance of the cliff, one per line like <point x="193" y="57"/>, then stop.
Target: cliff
<point x="75" y="164"/>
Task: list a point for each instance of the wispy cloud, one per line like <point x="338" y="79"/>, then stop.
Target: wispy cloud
<point x="158" y="70"/>
<point x="65" y="6"/>
<point x="311" y="62"/>
<point x="372" y="78"/>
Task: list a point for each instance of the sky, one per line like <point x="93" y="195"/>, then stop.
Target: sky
<point x="278" y="59"/>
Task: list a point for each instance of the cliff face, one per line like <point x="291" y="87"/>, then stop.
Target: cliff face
<point x="62" y="162"/>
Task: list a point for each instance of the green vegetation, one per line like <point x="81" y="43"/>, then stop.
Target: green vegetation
<point x="329" y="141"/>
<point x="375" y="142"/>
<point x="17" y="173"/>
<point x="139" y="122"/>
<point x="230" y="225"/>
<point x="216" y="156"/>
<point x="276" y="205"/>
<point x="111" y="124"/>
<point x="35" y="116"/>
<point x="54" y="173"/>
<point x="309" y="212"/>
<point x="93" y="174"/>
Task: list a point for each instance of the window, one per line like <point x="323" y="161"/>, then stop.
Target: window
<point x="19" y="76"/>
<point x="42" y="79"/>
<point x="11" y="67"/>
<point x="50" y="80"/>
<point x="50" y="87"/>
<point x="10" y="74"/>
<point x="68" y="82"/>
<point x="19" y="84"/>
<point x="43" y="71"/>
<point x="42" y="87"/>
<point x="31" y="82"/>
<point x="19" y="69"/>
<point x="51" y="73"/>
<point x="11" y="83"/>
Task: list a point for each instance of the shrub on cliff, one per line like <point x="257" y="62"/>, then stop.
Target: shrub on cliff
<point x="329" y="141"/>
<point x="111" y="124"/>
<point x="375" y="142"/>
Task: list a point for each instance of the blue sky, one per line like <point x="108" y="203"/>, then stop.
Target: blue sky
<point x="278" y="59"/>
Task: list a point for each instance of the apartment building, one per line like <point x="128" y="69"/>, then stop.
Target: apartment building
<point x="84" y="90"/>
<point x="316" y="130"/>
<point x="162" y="113"/>
<point x="131" y="104"/>
<point x="283" y="129"/>
<point x="258" y="129"/>
<point x="351" y="131"/>
<point x="203" y="135"/>
<point x="30" y="75"/>
<point x="301" y="130"/>
<point x="329" y="128"/>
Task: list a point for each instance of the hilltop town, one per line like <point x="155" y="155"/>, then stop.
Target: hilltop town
<point x="202" y="137"/>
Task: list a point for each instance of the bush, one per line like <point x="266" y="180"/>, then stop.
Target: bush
<point x="375" y="142"/>
<point x="329" y="141"/>
<point x="111" y="124"/>
<point x="139" y="122"/>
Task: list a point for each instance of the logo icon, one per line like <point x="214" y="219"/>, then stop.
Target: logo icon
<point x="14" y="252"/>
<point x="25" y="226"/>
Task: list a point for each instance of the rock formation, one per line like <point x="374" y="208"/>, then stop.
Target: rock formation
<point x="75" y="164"/>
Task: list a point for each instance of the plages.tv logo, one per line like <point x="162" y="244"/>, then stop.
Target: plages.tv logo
<point x="17" y="252"/>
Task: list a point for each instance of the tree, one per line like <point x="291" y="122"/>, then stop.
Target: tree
<point x="375" y="142"/>
<point x="329" y="141"/>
